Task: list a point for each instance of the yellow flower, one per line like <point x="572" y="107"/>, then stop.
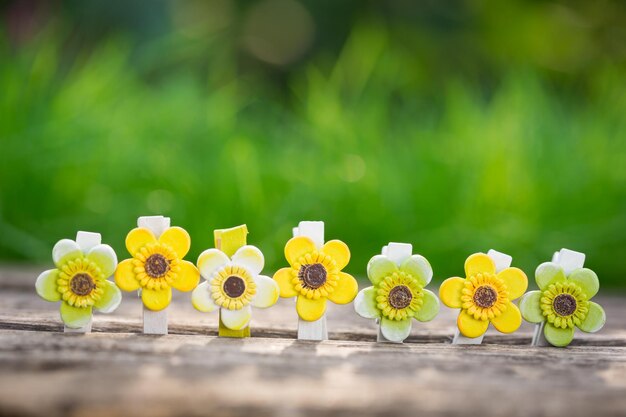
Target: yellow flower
<point x="485" y="296"/>
<point x="157" y="266"/>
<point x="315" y="275"/>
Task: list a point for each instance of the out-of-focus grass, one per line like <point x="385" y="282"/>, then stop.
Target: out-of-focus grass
<point x="525" y="169"/>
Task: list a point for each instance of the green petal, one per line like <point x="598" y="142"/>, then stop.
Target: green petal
<point x="75" y="317"/>
<point x="46" y="285"/>
<point x="65" y="250"/>
<point x="395" y="330"/>
<point x="587" y="280"/>
<point x="111" y="298"/>
<point x="548" y="273"/>
<point x="557" y="336"/>
<point x="429" y="309"/>
<point x="530" y="306"/>
<point x="365" y="303"/>
<point x="104" y="256"/>
<point x="596" y="317"/>
<point x="379" y="267"/>
<point x="419" y="267"/>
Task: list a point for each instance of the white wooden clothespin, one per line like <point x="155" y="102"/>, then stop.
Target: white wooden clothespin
<point x="312" y="330"/>
<point x="502" y="261"/>
<point x="569" y="260"/>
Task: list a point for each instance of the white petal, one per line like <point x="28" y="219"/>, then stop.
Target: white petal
<point x="395" y="330"/>
<point x="365" y="303"/>
<point x="267" y="292"/>
<point x="236" y="319"/>
<point x="210" y="261"/>
<point x="65" y="250"/>
<point x="201" y="298"/>
<point x="104" y="256"/>
<point x="251" y="258"/>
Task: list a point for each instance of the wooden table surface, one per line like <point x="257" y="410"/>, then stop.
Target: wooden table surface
<point x="118" y="371"/>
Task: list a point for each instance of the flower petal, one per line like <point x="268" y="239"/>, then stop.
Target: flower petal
<point x="178" y="239"/>
<point x="46" y="285"/>
<point x="557" y="336"/>
<point x="110" y="299"/>
<point x="156" y="300"/>
<point x="430" y="308"/>
<point x="138" y="238"/>
<point x="251" y="258"/>
<point x="201" y="298"/>
<point x="587" y="280"/>
<point x="479" y="263"/>
<point x="516" y="282"/>
<point x="339" y="251"/>
<point x="125" y="276"/>
<point x="297" y="247"/>
<point x="509" y="321"/>
<point x="596" y="317"/>
<point x="236" y="319"/>
<point x="211" y="261"/>
<point x="395" y="330"/>
<point x="283" y="278"/>
<point x="75" y="317"/>
<point x="310" y="309"/>
<point x="187" y="278"/>
<point x="469" y="326"/>
<point x="548" y="273"/>
<point x="104" y="256"/>
<point x="419" y="267"/>
<point x="346" y="289"/>
<point x="65" y="250"/>
<point x="380" y="267"/>
<point x="530" y="307"/>
<point x="450" y="292"/>
<point x="365" y="303"/>
<point x="267" y="292"/>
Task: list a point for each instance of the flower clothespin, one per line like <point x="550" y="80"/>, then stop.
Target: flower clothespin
<point x="233" y="282"/>
<point x="80" y="280"/>
<point x="563" y="301"/>
<point x="398" y="294"/>
<point x="156" y="266"/>
<point x="485" y="296"/>
<point x="315" y="276"/>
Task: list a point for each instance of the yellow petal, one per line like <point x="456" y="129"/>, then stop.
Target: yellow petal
<point x="156" y="300"/>
<point x="347" y="288"/>
<point x="310" y="309"/>
<point x="469" y="326"/>
<point x="187" y="278"/>
<point x="283" y="277"/>
<point x="178" y="239"/>
<point x="479" y="263"/>
<point x="509" y="320"/>
<point x="515" y="280"/>
<point x="236" y="319"/>
<point x="298" y="246"/>
<point x="125" y="276"/>
<point x="201" y="298"/>
<point x="251" y="258"/>
<point x="339" y="251"/>
<point x="138" y="238"/>
<point x="450" y="292"/>
<point x="267" y="292"/>
<point x="211" y="261"/>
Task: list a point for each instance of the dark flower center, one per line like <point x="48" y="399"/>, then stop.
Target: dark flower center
<point x="564" y="304"/>
<point x="234" y="286"/>
<point x="313" y="275"/>
<point x="82" y="284"/>
<point x="485" y="296"/>
<point x="400" y="296"/>
<point x="157" y="266"/>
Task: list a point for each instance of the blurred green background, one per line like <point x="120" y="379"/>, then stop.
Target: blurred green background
<point x="457" y="126"/>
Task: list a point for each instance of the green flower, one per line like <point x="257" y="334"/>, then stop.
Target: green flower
<point x="398" y="295"/>
<point x="563" y="303"/>
<point x="80" y="282"/>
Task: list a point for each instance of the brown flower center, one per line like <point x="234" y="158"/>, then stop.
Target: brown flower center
<point x="157" y="266"/>
<point x="234" y="286"/>
<point x="564" y="304"/>
<point x="485" y="296"/>
<point x="313" y="275"/>
<point x="82" y="284"/>
<point x="400" y="296"/>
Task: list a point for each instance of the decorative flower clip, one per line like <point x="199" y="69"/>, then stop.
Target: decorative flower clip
<point x="316" y="275"/>
<point x="234" y="285"/>
<point x="80" y="282"/>
<point x="157" y="266"/>
<point x="563" y="303"/>
<point x="398" y="295"/>
<point x="485" y="296"/>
